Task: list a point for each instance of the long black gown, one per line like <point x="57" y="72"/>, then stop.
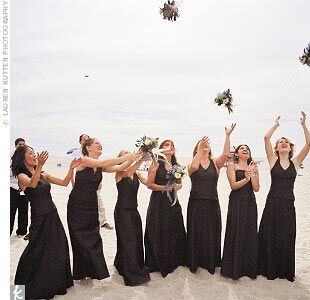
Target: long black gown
<point x="240" y="245"/>
<point x="83" y="223"/>
<point x="277" y="230"/>
<point x="44" y="267"/>
<point x="129" y="259"/>
<point x="204" y="223"/>
<point x="165" y="236"/>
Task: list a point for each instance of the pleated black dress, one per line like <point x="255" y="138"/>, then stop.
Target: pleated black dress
<point x="82" y="216"/>
<point x="44" y="267"/>
<point x="277" y="230"/>
<point x="165" y="237"/>
<point x="204" y="223"/>
<point x="129" y="259"/>
<point x="240" y="244"/>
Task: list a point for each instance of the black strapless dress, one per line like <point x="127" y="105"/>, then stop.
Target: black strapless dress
<point x="277" y="230"/>
<point x="44" y="267"/>
<point x="82" y="216"/>
<point x="240" y="244"/>
<point x="165" y="237"/>
<point x="204" y="223"/>
<point x="129" y="259"/>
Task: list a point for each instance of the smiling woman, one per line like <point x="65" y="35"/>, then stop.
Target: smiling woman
<point x="277" y="231"/>
<point x="44" y="267"/>
<point x="240" y="244"/>
<point x="82" y="210"/>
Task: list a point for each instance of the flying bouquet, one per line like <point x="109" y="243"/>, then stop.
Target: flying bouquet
<point x="226" y="99"/>
<point x="174" y="176"/>
<point x="305" y="58"/>
<point x="170" y="11"/>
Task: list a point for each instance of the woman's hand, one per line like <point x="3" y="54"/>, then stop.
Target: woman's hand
<point x="303" y="119"/>
<point x="204" y="143"/>
<point x="252" y="169"/>
<point x="277" y="122"/>
<point x="178" y="186"/>
<point x="42" y="158"/>
<point x="169" y="187"/>
<point x="228" y="131"/>
<point x="75" y="163"/>
<point x="135" y="156"/>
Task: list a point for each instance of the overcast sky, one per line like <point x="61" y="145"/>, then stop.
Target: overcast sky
<point x="150" y="76"/>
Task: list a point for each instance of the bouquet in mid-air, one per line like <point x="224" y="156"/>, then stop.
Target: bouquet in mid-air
<point x="174" y="176"/>
<point x="170" y="11"/>
<point x="305" y="58"/>
<point x="226" y="99"/>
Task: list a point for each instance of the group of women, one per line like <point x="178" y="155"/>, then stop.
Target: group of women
<point x="44" y="266"/>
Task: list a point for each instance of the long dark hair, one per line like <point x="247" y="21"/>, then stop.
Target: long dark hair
<point x="291" y="153"/>
<point x="195" y="150"/>
<point x="236" y="158"/>
<point x="173" y="157"/>
<point x="18" y="161"/>
<point x="80" y="138"/>
<point x="86" y="144"/>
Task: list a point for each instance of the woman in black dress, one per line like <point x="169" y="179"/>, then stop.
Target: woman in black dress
<point x="44" y="267"/>
<point x="165" y="237"/>
<point x="240" y="244"/>
<point x="129" y="259"/>
<point x="203" y="211"/>
<point x="82" y="211"/>
<point x="277" y="230"/>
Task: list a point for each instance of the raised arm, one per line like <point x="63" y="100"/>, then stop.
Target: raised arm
<point x="194" y="165"/>
<point x="97" y="163"/>
<point x="64" y="182"/>
<point x="24" y="181"/>
<point x="128" y="171"/>
<point x="231" y="175"/>
<point x="305" y="150"/>
<point x="221" y="160"/>
<point x="268" y="147"/>
<point x="118" y="168"/>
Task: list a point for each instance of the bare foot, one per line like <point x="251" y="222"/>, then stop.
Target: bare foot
<point x="83" y="281"/>
<point x="107" y="226"/>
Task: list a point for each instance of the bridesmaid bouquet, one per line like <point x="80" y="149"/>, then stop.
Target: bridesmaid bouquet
<point x="170" y="11"/>
<point x="174" y="176"/>
<point x="226" y="99"/>
<point x="305" y="58"/>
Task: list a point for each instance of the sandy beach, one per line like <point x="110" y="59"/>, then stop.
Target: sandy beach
<point x="182" y="284"/>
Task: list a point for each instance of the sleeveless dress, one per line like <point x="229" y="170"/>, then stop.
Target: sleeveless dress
<point x="165" y="237"/>
<point x="277" y="231"/>
<point x="204" y="220"/>
<point x="240" y="244"/>
<point x="44" y="267"/>
<point x="83" y="224"/>
<point x="129" y="259"/>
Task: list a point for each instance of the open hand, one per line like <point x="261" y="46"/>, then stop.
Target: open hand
<point x="303" y="118"/>
<point x="75" y="162"/>
<point x="228" y="131"/>
<point x="42" y="158"/>
<point x="204" y="143"/>
<point x="277" y="121"/>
